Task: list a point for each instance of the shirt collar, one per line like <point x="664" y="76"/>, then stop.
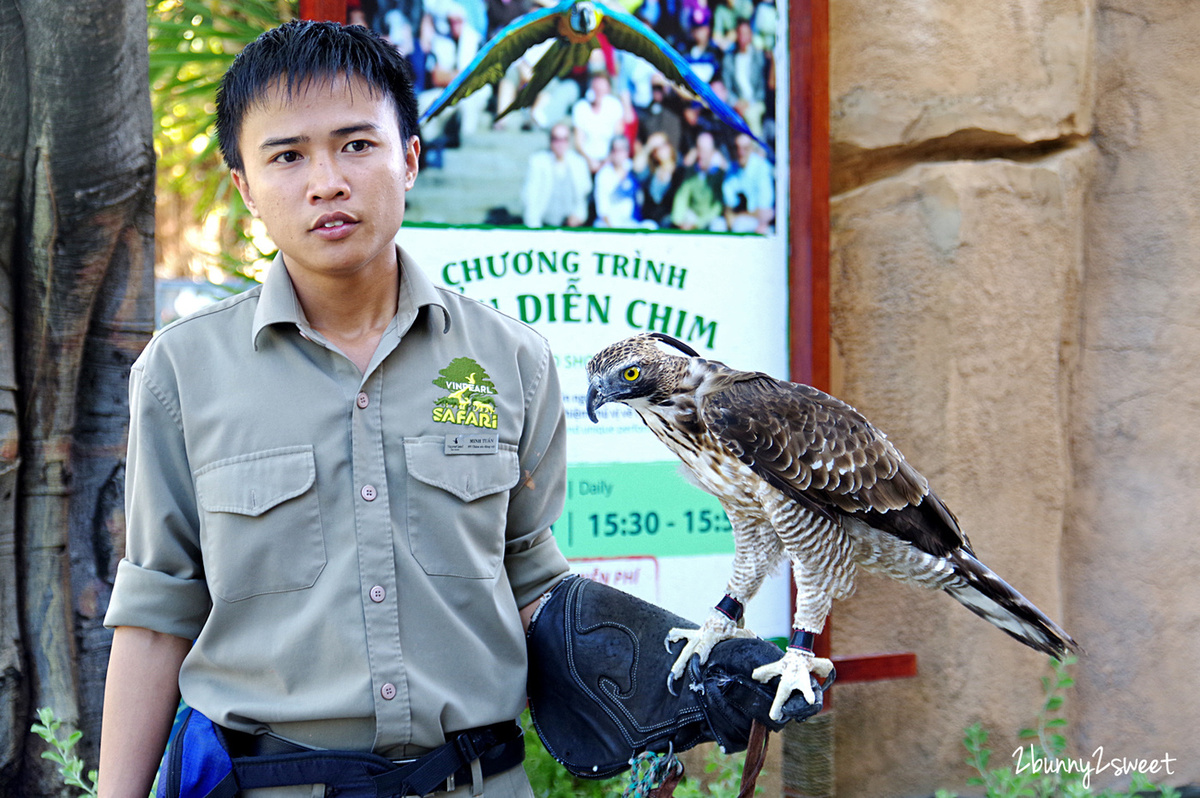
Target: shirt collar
<point x="278" y="304"/>
<point x="416" y="291"/>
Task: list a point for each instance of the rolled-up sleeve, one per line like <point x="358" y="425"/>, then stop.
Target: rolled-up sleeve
<point x="532" y="557"/>
<point x="160" y="581"/>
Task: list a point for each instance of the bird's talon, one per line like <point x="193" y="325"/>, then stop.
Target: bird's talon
<point x="794" y="670"/>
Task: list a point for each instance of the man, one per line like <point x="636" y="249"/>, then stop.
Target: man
<point x="339" y="492"/>
<point x="597" y="119"/>
<point x="663" y="115"/>
<point x="703" y="56"/>
<point x="499" y="14"/>
<point x="452" y="52"/>
<point x="557" y="184"/>
<point x="340" y="484"/>
<point x="744" y="73"/>
<point x="749" y="190"/>
<point x="698" y="203"/>
<point x="617" y="194"/>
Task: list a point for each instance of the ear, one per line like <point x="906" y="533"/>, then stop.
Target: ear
<point x="412" y="159"/>
<point x="243" y="187"/>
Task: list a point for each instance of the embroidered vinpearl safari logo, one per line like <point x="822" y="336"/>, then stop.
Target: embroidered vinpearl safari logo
<point x="472" y="395"/>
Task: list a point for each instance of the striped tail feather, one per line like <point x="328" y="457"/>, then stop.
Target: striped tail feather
<point x="994" y="600"/>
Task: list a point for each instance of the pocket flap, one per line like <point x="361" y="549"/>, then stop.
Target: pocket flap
<point x="251" y="484"/>
<point x="469" y="476"/>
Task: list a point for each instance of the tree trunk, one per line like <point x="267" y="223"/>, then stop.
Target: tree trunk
<point x="76" y="307"/>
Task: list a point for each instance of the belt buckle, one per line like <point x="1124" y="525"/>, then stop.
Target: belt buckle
<point x="450" y="783"/>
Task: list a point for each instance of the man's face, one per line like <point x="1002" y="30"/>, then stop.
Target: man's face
<point x="600" y="87"/>
<point x="745" y="36"/>
<point x="560" y="141"/>
<point x="326" y="171"/>
<point x="745" y="148"/>
<point x="620" y="151"/>
<point x="704" y="150"/>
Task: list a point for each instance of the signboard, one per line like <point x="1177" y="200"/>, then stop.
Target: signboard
<point x="631" y="519"/>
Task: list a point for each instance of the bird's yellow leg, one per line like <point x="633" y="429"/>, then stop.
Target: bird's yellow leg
<point x="798" y="662"/>
<point x="756" y="552"/>
<point x="723" y="623"/>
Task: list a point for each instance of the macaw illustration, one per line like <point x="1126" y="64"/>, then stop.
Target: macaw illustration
<point x="576" y="25"/>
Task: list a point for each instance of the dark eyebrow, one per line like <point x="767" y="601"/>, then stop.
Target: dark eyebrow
<point x="361" y="127"/>
<point x="285" y="141"/>
<point x="341" y="132"/>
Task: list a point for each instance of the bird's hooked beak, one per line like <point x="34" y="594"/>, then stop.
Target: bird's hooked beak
<point x="596" y="397"/>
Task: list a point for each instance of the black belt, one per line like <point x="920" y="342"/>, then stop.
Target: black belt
<point x="499" y="748"/>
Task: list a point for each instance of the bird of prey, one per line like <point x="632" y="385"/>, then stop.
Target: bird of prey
<point x="575" y="25"/>
<point x="801" y="474"/>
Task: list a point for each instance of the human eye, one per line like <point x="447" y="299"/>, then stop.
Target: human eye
<point x="287" y="156"/>
<point x="358" y="145"/>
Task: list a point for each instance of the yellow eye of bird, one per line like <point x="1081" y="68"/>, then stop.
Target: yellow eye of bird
<point x="632" y="373"/>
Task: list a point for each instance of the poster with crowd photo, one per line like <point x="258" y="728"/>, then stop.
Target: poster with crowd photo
<point x="615" y="204"/>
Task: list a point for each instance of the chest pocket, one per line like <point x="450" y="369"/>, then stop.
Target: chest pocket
<point x="458" y="507"/>
<point x="260" y="528"/>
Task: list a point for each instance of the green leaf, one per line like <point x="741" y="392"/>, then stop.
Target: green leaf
<point x="54" y="756"/>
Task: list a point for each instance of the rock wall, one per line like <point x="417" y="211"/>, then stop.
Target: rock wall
<point x="1132" y="553"/>
<point x="1011" y="303"/>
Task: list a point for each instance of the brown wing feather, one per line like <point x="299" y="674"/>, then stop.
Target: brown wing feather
<point x="821" y="451"/>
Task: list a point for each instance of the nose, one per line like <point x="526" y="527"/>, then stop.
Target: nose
<point x="326" y="180"/>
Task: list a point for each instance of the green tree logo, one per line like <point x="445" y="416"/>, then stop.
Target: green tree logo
<point x="471" y="398"/>
<point x="466" y="382"/>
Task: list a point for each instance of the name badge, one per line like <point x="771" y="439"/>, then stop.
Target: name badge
<point x="473" y="443"/>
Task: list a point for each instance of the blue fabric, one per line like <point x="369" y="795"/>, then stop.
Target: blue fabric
<point x="197" y="761"/>
<point x="198" y="764"/>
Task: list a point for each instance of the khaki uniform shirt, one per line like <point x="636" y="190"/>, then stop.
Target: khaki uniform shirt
<point x="348" y="550"/>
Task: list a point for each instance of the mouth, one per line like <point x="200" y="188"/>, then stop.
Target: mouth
<point x="334" y="226"/>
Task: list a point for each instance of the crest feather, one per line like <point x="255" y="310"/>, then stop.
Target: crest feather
<point x="675" y="342"/>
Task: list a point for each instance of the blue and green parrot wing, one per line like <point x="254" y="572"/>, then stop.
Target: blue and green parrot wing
<point x="623" y="31"/>
<point x="495" y="57"/>
<point x="629" y="33"/>
<point x="558" y="61"/>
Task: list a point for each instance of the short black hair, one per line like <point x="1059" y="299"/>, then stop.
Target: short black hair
<point x="299" y="52"/>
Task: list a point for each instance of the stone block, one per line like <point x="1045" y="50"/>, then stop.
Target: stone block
<point x="954" y="302"/>
<point x="995" y="74"/>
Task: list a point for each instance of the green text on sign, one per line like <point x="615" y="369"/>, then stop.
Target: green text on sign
<point x="631" y="509"/>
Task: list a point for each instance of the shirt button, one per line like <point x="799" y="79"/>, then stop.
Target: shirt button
<point x="368" y="492"/>
<point x="388" y="691"/>
<point x="363" y="400"/>
<point x="378" y="594"/>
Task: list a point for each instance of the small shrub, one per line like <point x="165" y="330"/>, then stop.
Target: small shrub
<point x="1041" y="767"/>
<point x="62" y="752"/>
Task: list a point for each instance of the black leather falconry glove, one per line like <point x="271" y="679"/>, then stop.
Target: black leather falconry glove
<point x="599" y="689"/>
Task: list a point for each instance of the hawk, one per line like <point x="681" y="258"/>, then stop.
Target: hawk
<point x="802" y="474"/>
